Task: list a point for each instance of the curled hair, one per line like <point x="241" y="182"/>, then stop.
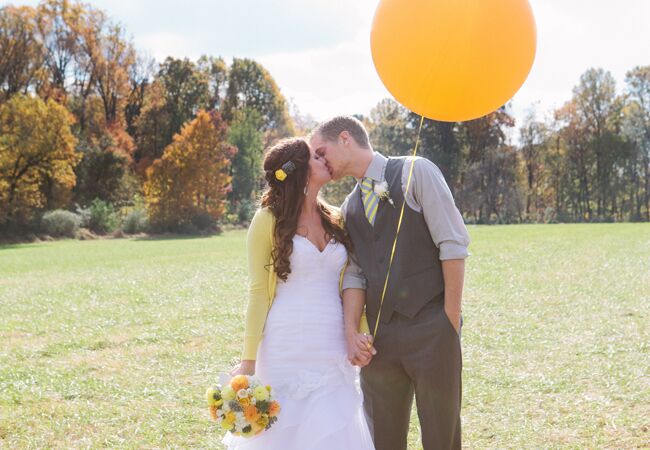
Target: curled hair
<point x="285" y="200"/>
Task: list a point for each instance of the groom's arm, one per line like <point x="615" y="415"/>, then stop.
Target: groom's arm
<point x="431" y="195"/>
<point x="453" y="271"/>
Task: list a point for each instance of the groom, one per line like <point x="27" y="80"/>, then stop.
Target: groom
<point x="418" y="337"/>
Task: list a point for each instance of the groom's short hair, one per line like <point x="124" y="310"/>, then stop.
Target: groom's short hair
<point x="332" y="128"/>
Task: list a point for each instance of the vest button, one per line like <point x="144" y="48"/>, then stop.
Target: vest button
<point x="377" y="237"/>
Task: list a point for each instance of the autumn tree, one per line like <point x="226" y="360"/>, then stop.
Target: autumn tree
<point x="20" y="51"/>
<point x="37" y="158"/>
<point x="532" y="137"/>
<point x="191" y="178"/>
<point x="58" y="23"/>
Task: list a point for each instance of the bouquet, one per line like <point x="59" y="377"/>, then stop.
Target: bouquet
<point x="243" y="406"/>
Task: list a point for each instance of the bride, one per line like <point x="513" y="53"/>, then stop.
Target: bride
<point x="297" y="338"/>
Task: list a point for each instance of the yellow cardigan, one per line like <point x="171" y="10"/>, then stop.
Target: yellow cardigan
<point x="263" y="279"/>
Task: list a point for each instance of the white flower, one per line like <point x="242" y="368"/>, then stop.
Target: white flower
<point x="242" y="393"/>
<point x="240" y="420"/>
<point x="381" y="189"/>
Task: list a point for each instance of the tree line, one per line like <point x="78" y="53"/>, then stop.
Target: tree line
<point x="90" y="126"/>
<point x="589" y="161"/>
<point x="84" y="118"/>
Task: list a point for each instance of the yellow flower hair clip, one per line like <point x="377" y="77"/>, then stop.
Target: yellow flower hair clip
<point x="286" y="170"/>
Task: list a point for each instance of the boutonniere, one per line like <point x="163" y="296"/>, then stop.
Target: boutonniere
<point x="381" y="189"/>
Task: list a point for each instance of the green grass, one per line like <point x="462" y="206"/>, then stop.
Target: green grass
<point x="111" y="343"/>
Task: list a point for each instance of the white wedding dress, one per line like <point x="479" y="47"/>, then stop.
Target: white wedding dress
<point x="303" y="357"/>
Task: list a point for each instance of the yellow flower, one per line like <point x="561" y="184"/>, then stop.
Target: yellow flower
<point x="263" y="421"/>
<point x="261" y="393"/>
<point x="244" y="401"/>
<point x="213" y="397"/>
<point x="227" y="425"/>
<point x="231" y="417"/>
<point x="280" y="174"/>
<point x="227" y="393"/>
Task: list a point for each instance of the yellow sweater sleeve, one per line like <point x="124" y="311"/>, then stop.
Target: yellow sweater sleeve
<point x="363" y="325"/>
<point x="259" y="243"/>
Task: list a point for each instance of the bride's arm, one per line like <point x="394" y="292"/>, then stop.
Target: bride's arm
<point x="353" y="287"/>
<point x="359" y="343"/>
<point x="258" y="247"/>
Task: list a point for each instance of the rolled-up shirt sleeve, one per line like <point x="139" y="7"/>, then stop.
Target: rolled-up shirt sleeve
<point x="353" y="277"/>
<point x="430" y="194"/>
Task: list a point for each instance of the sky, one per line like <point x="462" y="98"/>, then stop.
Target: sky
<point x="318" y="51"/>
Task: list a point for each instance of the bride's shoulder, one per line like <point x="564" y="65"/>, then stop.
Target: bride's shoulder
<point x="263" y="218"/>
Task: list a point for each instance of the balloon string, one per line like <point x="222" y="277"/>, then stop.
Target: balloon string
<point x="399" y="225"/>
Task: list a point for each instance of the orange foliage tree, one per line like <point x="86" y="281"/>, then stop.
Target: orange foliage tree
<point x="191" y="179"/>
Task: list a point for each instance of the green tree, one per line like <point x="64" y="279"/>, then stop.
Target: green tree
<point x="637" y="129"/>
<point x="186" y="90"/>
<point x="251" y="86"/>
<point x="389" y="129"/>
<point x="216" y="72"/>
<point x="246" y="136"/>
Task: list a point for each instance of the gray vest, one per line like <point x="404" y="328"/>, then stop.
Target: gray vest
<point x="416" y="274"/>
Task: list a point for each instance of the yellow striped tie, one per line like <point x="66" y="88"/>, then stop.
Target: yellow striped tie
<point x="370" y="200"/>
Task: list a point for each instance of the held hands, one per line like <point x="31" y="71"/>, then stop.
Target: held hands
<point x="360" y="349"/>
<point x="246" y="367"/>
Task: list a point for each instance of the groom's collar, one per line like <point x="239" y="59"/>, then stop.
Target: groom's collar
<point x="376" y="168"/>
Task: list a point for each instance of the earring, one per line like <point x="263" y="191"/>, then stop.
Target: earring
<point x="306" y="191"/>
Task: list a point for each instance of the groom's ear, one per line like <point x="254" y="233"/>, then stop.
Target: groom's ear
<point x="345" y="137"/>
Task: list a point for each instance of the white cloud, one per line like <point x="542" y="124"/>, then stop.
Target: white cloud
<point x="161" y="45"/>
<point x="328" y="81"/>
<point x="576" y="35"/>
<point x="572" y="37"/>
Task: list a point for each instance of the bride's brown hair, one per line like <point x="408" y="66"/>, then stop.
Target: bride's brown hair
<point x="285" y="199"/>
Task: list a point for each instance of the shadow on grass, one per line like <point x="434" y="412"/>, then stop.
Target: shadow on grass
<point x="171" y="236"/>
<point x="143" y="237"/>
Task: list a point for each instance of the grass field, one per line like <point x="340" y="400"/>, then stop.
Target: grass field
<point x="111" y="343"/>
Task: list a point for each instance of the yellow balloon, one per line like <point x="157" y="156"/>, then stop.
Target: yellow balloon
<point x="453" y="60"/>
